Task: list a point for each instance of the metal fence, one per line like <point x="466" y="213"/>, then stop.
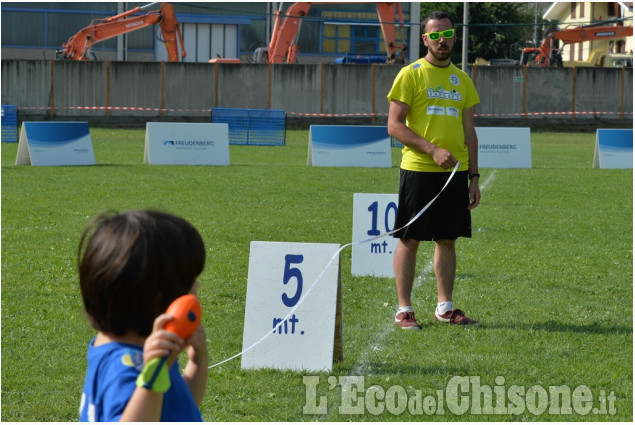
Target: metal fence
<point x="264" y="127"/>
<point x="9" y="123"/>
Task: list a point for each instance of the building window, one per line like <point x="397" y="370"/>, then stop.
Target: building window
<point x="366" y="39"/>
<point x="621" y="46"/>
<point x="611" y="9"/>
<point x="573" y="7"/>
<point x="352" y="29"/>
<point x="582" y="5"/>
<point x="356" y="39"/>
<point x="336" y="39"/>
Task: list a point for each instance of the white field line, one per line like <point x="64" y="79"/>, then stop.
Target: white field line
<point x="488" y="180"/>
<point x="378" y="340"/>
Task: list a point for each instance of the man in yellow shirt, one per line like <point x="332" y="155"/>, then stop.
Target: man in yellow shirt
<point x="432" y="114"/>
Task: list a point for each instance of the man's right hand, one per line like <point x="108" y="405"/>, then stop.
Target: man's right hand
<point x="444" y="158"/>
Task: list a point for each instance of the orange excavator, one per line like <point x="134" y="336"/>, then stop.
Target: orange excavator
<point x="283" y="46"/>
<point x="78" y="47"/>
<point x="548" y="55"/>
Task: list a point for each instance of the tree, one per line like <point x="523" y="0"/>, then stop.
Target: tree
<point x="496" y="29"/>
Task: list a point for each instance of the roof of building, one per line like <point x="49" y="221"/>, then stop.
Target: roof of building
<point x="555" y="10"/>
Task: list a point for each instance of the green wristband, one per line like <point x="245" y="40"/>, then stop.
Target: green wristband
<point x="155" y="376"/>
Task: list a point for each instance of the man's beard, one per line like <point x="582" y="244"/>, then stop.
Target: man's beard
<point x="441" y="56"/>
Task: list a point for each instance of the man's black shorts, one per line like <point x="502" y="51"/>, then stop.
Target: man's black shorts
<point x="447" y="217"/>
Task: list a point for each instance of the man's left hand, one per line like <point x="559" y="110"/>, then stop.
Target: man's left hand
<point x="475" y="194"/>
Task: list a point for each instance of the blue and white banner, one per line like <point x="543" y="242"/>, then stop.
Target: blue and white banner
<point x="613" y="148"/>
<point x="504" y="147"/>
<point x="55" y="143"/>
<point x="186" y="144"/>
<point x="349" y="146"/>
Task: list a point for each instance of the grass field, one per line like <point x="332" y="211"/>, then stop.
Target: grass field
<point x="549" y="273"/>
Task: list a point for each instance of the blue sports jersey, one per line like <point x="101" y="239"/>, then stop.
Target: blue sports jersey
<point x="111" y="379"/>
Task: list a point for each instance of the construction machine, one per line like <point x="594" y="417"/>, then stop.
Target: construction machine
<point x="78" y="47"/>
<point x="283" y="46"/>
<point x="602" y="59"/>
<point x="549" y="55"/>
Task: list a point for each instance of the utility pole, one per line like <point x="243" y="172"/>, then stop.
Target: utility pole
<point x="466" y="17"/>
<point x="536" y="26"/>
<point x="415" y="31"/>
<point x="122" y="39"/>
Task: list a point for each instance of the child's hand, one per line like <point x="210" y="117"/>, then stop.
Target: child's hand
<point x="161" y="343"/>
<point x="197" y="346"/>
<point x="195" y="372"/>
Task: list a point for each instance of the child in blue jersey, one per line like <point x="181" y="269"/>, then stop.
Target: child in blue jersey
<point x="131" y="267"/>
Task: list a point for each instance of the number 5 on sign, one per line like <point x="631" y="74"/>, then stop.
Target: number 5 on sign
<point x="373" y="215"/>
<point x="305" y="334"/>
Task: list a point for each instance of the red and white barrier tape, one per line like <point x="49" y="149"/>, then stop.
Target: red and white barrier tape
<point x="531" y="114"/>
<point x="114" y="108"/>
<point x="320" y="115"/>
<point x="520" y="114"/>
<point x="358" y="114"/>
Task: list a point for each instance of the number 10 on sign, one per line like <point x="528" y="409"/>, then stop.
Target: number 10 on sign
<point x="373" y="215"/>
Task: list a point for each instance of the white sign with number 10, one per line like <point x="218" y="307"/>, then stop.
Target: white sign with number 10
<point x="373" y="215"/>
<point x="280" y="274"/>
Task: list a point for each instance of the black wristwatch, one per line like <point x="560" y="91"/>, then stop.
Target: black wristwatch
<point x="472" y="175"/>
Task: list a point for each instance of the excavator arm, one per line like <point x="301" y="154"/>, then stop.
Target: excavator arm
<point x="386" y="14"/>
<point x="284" y="40"/>
<point x="78" y="47"/>
<point x="286" y="30"/>
<point x="578" y="35"/>
<point x="547" y="50"/>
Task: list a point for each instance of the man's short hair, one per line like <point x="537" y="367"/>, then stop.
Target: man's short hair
<point x="436" y="15"/>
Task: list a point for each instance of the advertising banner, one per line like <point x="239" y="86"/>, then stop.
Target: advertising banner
<point x="55" y="143"/>
<point x="504" y="147"/>
<point x="186" y="144"/>
<point x="349" y="146"/>
<point x="613" y="148"/>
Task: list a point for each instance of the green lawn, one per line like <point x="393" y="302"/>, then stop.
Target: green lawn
<point x="549" y="273"/>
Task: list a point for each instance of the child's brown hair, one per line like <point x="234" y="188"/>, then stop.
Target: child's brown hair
<point x="133" y="264"/>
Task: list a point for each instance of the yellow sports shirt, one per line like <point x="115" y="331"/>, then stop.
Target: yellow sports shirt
<point x="437" y="98"/>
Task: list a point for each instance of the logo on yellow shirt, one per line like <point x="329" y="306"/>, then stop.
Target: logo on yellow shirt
<point x="440" y="93"/>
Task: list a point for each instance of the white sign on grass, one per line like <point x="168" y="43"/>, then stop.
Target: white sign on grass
<point x="504" y="147"/>
<point x="280" y="275"/>
<point x="186" y="144"/>
<point x="55" y="143"/>
<point x="349" y="146"/>
<point x="373" y="215"/>
<point x="613" y="148"/>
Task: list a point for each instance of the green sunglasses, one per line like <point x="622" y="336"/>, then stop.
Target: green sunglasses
<point x="437" y="34"/>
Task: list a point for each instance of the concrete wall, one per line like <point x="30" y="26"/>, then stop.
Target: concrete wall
<point x="189" y="91"/>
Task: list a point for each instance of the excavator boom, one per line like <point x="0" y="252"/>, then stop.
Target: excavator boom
<point x="283" y="46"/>
<point x="547" y="54"/>
<point x="578" y="35"/>
<point x="78" y="47"/>
<point x="386" y="14"/>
